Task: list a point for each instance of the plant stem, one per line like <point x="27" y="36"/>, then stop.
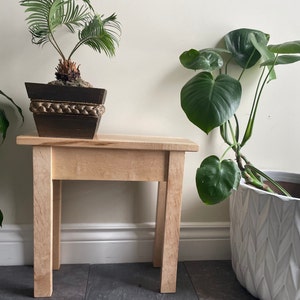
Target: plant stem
<point x="268" y="178"/>
<point x="234" y="145"/>
<point x="233" y="135"/>
<point x="257" y="97"/>
<point x="249" y="127"/>
<point x="246" y="66"/>
<point x="226" y="65"/>
<point x="52" y="39"/>
<point x="252" y="176"/>
<point x="237" y="128"/>
<point x="224" y="135"/>
<point x="56" y="47"/>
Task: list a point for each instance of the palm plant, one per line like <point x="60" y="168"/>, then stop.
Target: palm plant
<point x="4" y="124"/>
<point x="99" y="33"/>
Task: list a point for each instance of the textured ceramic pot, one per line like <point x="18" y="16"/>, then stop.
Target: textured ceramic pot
<point x="265" y="240"/>
<point x="66" y="111"/>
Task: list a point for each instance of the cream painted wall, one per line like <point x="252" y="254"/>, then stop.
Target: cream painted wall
<point x="143" y="83"/>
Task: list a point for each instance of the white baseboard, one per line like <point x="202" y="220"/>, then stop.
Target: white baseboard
<point x="116" y="243"/>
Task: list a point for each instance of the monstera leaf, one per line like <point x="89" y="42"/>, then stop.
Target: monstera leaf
<point x="216" y="179"/>
<point x="286" y="48"/>
<point x="209" y="102"/>
<point x="239" y="43"/>
<point x="291" y="51"/>
<point x="206" y="60"/>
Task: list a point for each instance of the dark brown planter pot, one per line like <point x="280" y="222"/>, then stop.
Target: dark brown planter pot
<point x="65" y="111"/>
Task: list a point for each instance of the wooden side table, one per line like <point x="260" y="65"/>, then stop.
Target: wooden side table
<point x="106" y="157"/>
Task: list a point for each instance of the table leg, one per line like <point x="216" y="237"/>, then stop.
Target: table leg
<point x="56" y="223"/>
<point x="43" y="218"/>
<point x="160" y="224"/>
<point x="172" y="223"/>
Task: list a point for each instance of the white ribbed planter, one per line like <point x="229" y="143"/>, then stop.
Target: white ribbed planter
<point x="265" y="241"/>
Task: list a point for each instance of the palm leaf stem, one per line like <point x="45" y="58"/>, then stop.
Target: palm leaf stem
<point x="51" y="38"/>
<point x="56" y="46"/>
<point x="80" y="43"/>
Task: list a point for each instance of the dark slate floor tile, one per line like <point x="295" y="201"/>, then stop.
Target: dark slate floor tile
<point x="69" y="282"/>
<point x="215" y="280"/>
<point x="16" y="282"/>
<point x="134" y="282"/>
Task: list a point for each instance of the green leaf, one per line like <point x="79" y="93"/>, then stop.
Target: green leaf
<point x="209" y="102"/>
<point x="286" y="48"/>
<point x="260" y="44"/>
<point x="40" y="19"/>
<point x="89" y="4"/>
<point x="207" y="60"/>
<point x="45" y="16"/>
<point x="4" y="124"/>
<point x="239" y="43"/>
<point x="73" y="15"/>
<point x="1" y="218"/>
<point x="216" y="179"/>
<point x="100" y="34"/>
<point x="17" y="107"/>
<point x="189" y="59"/>
<point x="282" y="60"/>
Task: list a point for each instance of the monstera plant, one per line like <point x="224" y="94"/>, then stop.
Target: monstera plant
<point x="211" y="100"/>
<point x="4" y="124"/>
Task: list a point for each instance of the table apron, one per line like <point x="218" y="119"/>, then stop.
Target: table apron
<point x="109" y="164"/>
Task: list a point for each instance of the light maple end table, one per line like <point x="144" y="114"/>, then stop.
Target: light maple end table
<point x="106" y="157"/>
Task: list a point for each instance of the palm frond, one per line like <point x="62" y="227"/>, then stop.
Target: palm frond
<point x="100" y="34"/>
<point x="89" y="4"/>
<point x="38" y="19"/>
<point x="55" y="15"/>
<point x="46" y="15"/>
<point x="75" y="15"/>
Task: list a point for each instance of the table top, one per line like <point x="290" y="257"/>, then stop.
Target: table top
<point x="113" y="142"/>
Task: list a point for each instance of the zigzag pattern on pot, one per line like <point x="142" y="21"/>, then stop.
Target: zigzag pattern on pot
<point x="265" y="244"/>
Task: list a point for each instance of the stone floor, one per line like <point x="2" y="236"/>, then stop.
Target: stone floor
<point x="204" y="280"/>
